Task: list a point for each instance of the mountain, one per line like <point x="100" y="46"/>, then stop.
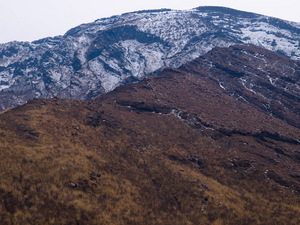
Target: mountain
<point x="215" y="141"/>
<point x="94" y="58"/>
<point x="245" y="74"/>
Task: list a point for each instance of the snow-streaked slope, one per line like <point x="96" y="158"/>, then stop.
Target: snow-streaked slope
<point x="97" y="57"/>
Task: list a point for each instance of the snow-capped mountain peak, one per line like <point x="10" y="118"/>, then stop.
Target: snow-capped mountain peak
<point x="94" y="58"/>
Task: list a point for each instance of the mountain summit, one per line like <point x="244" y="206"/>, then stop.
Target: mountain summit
<point x="94" y="58"/>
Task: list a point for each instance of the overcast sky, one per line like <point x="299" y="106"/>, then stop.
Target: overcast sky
<point x="28" y="20"/>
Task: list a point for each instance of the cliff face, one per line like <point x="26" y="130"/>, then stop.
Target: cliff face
<point x="94" y="58"/>
<point x="193" y="145"/>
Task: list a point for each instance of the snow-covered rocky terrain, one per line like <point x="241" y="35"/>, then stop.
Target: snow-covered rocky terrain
<point x="95" y="58"/>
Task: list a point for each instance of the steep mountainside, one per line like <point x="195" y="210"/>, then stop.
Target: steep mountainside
<point x="193" y="145"/>
<point x="97" y="57"/>
<point x="245" y="74"/>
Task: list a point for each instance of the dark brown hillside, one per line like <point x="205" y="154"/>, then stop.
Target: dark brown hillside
<point x="256" y="76"/>
<point x="175" y="148"/>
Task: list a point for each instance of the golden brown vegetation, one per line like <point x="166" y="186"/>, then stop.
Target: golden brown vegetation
<point x="146" y="154"/>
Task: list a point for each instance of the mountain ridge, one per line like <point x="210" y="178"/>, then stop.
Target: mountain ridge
<point x="94" y="58"/>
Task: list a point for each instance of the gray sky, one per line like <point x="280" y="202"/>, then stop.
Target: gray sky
<point x="28" y="20"/>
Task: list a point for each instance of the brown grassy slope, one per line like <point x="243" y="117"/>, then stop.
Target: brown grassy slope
<point x="172" y="149"/>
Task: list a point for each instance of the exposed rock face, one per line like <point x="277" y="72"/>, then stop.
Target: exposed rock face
<point x="192" y="145"/>
<point x="95" y="58"/>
